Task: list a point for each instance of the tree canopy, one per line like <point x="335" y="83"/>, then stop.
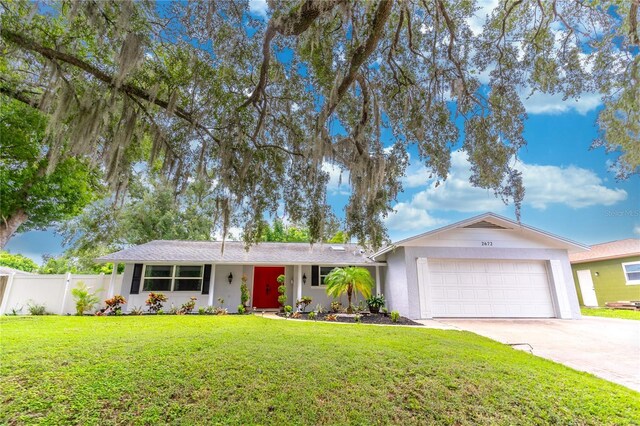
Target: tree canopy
<point x="17" y="261"/>
<point x="257" y="106"/>
<point x="33" y="193"/>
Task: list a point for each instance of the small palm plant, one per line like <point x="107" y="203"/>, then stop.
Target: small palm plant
<point x="85" y="300"/>
<point x="346" y="280"/>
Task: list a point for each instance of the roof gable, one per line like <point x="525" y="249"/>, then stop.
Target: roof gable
<point x="490" y="229"/>
<point x="611" y="250"/>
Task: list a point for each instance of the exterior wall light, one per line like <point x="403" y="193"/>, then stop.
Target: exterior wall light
<point x="230" y="277"/>
<point x="304" y="279"/>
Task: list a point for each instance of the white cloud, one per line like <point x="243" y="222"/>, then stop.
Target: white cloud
<point x="259" y="7"/>
<point x="636" y="229"/>
<point x="410" y="218"/>
<point x="545" y="185"/>
<point x="485" y="7"/>
<point x="544" y="103"/>
<point x="338" y="179"/>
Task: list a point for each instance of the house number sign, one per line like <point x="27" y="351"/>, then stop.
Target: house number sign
<point x="487" y="243"/>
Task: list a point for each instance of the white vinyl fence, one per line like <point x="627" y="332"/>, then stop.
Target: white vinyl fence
<point x="52" y="291"/>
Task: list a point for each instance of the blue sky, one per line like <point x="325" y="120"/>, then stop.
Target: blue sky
<point x="570" y="190"/>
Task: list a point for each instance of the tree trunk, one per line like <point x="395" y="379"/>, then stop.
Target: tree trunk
<point x="349" y="292"/>
<point x="10" y="226"/>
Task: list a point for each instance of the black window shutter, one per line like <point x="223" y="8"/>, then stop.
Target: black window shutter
<point x="135" y="281"/>
<point x="206" y="277"/>
<point x="315" y="275"/>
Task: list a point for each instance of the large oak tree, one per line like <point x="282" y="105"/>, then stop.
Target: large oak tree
<point x="257" y="106"/>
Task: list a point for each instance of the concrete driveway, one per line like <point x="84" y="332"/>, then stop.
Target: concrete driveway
<point x="606" y="347"/>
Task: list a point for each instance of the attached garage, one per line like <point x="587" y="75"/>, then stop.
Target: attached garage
<point x="488" y="288"/>
<point x="487" y="266"/>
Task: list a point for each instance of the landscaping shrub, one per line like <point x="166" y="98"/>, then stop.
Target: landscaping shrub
<point x="115" y="304"/>
<point x="336" y="306"/>
<point x="296" y="315"/>
<point x="288" y="310"/>
<point x="331" y="317"/>
<point x="136" y="310"/>
<point x="187" y="307"/>
<point x="219" y="310"/>
<point x="244" y="294"/>
<point x="312" y="315"/>
<point x="85" y="300"/>
<point x="303" y="303"/>
<point x="282" y="289"/>
<point x="358" y="318"/>
<point x="395" y="316"/>
<point x="173" y="310"/>
<point x="202" y="310"/>
<point x="242" y="309"/>
<point x="36" y="309"/>
<point x="319" y="308"/>
<point x="154" y="302"/>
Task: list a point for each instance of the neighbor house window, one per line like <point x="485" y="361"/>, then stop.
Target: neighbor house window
<point x="173" y="278"/>
<point x="632" y="272"/>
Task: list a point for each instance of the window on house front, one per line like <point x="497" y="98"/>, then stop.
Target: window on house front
<point x="632" y="272"/>
<point x="319" y="273"/>
<point x="173" y="278"/>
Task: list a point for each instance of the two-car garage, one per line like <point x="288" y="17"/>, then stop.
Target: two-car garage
<point x="487" y="266"/>
<point x="487" y="288"/>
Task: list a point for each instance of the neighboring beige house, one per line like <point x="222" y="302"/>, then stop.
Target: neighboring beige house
<point x="609" y="272"/>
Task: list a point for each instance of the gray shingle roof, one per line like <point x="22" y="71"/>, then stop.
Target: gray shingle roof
<point x="234" y="252"/>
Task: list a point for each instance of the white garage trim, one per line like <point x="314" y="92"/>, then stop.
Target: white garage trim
<point x="488" y="288"/>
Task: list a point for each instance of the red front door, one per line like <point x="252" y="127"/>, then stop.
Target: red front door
<point x="265" y="286"/>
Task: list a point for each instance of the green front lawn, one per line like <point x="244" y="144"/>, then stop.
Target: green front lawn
<point x="611" y="313"/>
<point x="248" y="370"/>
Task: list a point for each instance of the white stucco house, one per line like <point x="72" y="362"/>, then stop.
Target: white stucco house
<point x="487" y="266"/>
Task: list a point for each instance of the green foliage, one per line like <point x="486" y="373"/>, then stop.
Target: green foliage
<point x="288" y="309"/>
<point x="281" y="278"/>
<point x="35" y="191"/>
<point x="319" y="308"/>
<point x="303" y="303"/>
<point x="358" y="318"/>
<point x="85" y="300"/>
<point x="279" y="232"/>
<point x="336" y="306"/>
<point x="376" y="302"/>
<point x="244" y="292"/>
<point x="242" y="309"/>
<point x="347" y="280"/>
<point x="17" y="261"/>
<point x="331" y="317"/>
<point x="395" y="316"/>
<point x="37" y="309"/>
<point x="312" y="315"/>
<point x="136" y="310"/>
<point x="202" y="310"/>
<point x="154" y="302"/>
<point x="282" y="289"/>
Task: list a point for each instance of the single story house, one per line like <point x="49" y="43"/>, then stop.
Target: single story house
<point x="486" y="266"/>
<point x="609" y="272"/>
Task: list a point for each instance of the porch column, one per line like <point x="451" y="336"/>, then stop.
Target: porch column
<point x="212" y="284"/>
<point x="377" y="280"/>
<point x="299" y="281"/>
<point x="112" y="281"/>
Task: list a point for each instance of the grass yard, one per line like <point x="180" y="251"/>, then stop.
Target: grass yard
<point x="611" y="313"/>
<point x="252" y="370"/>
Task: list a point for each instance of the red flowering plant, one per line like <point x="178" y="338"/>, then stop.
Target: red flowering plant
<point x="154" y="302"/>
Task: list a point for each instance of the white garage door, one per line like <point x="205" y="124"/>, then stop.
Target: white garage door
<point x="483" y="288"/>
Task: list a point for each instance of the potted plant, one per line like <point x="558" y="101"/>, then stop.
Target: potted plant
<point x="375" y="303"/>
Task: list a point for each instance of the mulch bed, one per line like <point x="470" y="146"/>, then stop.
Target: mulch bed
<point x="365" y="318"/>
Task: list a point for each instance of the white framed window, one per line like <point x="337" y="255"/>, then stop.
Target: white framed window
<point x="172" y="278"/>
<point x="631" y="272"/>
<point x="319" y="273"/>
